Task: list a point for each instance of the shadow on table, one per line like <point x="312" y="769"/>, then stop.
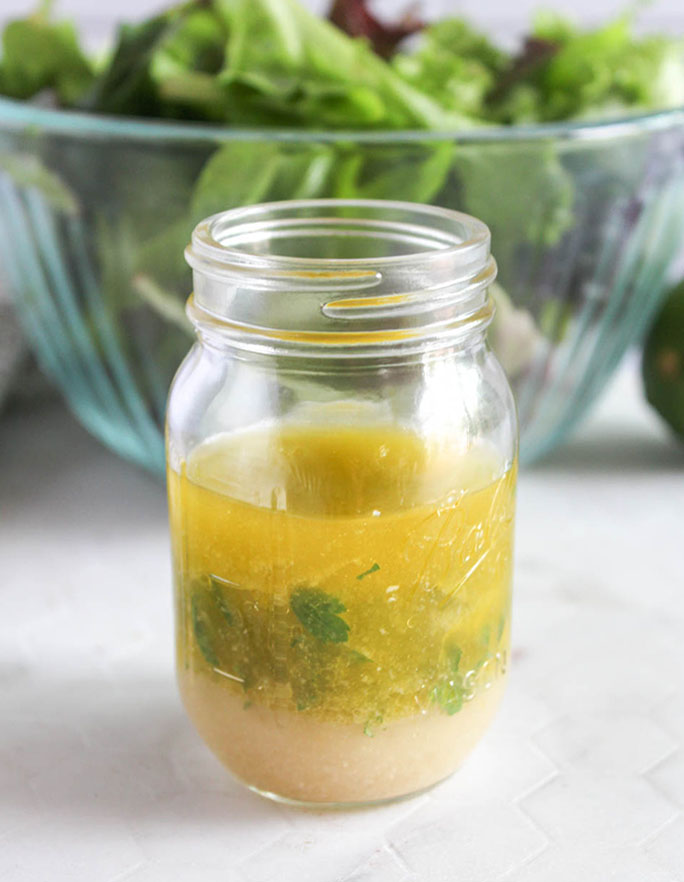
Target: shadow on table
<point x="615" y="452"/>
<point x="87" y="752"/>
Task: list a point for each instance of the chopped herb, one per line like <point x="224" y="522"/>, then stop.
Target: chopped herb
<point x="454" y="658"/>
<point x="449" y="695"/>
<point x="306" y="695"/>
<point x="220" y="599"/>
<point x="302" y="650"/>
<point x="371" y="724"/>
<point x="373" y="569"/>
<point x="319" y="614"/>
<point x="202" y="633"/>
<point x="500" y="628"/>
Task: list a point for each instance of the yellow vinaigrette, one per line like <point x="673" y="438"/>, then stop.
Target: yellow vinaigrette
<point x="354" y="576"/>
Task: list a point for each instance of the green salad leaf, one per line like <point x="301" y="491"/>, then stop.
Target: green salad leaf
<point x="591" y="73"/>
<point x="38" y="54"/>
<point x="603" y="70"/>
<point x="273" y="62"/>
<point x="126" y="85"/>
<point x="268" y="172"/>
<point x="522" y="191"/>
<point x="410" y="172"/>
<point x="184" y="65"/>
<point x="455" y="64"/>
<point x="27" y="170"/>
<point x="286" y="65"/>
<point x="197" y="42"/>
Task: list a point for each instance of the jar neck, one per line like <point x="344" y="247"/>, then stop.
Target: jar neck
<point x="439" y="340"/>
<point x="341" y="279"/>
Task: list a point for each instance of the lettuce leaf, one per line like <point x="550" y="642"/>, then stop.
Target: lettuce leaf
<point x="521" y="191"/>
<point x="588" y="74"/>
<point x="38" y="55"/>
<point x="456" y="65"/>
<point x="286" y="65"/>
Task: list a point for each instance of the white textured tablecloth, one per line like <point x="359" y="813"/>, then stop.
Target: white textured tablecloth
<point x="580" y="778"/>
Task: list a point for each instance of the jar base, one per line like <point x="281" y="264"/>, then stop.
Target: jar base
<point x="296" y="759"/>
<point x="343" y="806"/>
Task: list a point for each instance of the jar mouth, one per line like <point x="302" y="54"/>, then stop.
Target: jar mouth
<point x="287" y="234"/>
<point x="343" y="271"/>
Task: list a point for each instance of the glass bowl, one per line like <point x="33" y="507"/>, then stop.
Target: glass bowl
<point x="587" y="219"/>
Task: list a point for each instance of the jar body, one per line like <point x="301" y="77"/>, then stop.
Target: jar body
<point x="342" y="538"/>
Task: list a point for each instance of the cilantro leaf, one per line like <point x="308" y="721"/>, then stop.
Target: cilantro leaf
<point x="371" y="725"/>
<point x="373" y="569"/>
<point x="449" y="695"/>
<point x="500" y="627"/>
<point x="454" y="658"/>
<point x="221" y="601"/>
<point x="319" y="614"/>
<point x="202" y="631"/>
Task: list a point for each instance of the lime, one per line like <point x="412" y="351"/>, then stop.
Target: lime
<point x="663" y="361"/>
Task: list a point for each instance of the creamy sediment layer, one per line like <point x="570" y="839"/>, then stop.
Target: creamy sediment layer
<point x="300" y="758"/>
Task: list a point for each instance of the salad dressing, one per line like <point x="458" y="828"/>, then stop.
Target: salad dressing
<point x="343" y="605"/>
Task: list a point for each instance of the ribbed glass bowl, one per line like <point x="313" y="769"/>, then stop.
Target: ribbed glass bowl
<point x="586" y="221"/>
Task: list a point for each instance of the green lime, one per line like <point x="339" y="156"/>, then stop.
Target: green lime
<point x="663" y="361"/>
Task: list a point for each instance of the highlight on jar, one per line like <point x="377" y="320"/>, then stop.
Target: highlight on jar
<point x="342" y="457"/>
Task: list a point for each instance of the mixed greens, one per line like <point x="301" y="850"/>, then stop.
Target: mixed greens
<point x="262" y="62"/>
<point x="298" y="104"/>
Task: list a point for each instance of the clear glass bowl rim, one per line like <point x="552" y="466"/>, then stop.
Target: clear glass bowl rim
<point x="20" y="115"/>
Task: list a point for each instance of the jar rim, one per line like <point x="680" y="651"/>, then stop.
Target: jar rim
<point x="445" y="233"/>
<point x="340" y="272"/>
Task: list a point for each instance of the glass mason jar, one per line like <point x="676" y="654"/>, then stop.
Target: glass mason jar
<point x="341" y="469"/>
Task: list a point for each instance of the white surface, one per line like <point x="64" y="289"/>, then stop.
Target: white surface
<point x="581" y="777"/>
